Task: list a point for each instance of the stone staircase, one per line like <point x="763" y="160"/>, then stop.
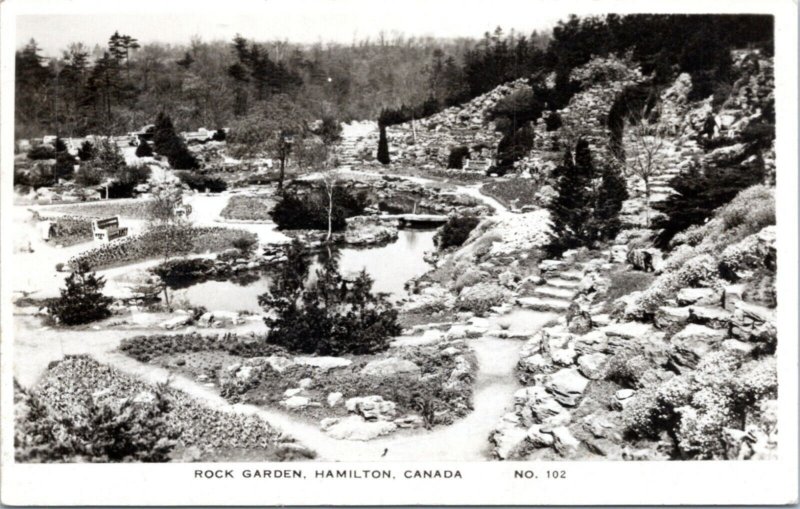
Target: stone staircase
<point x="560" y="282"/>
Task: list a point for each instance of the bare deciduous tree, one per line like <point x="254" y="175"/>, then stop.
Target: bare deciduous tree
<point x="643" y="156"/>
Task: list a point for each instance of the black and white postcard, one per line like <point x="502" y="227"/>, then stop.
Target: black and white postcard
<point x="350" y="252"/>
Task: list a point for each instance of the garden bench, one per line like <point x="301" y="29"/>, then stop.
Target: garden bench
<point x="108" y="229"/>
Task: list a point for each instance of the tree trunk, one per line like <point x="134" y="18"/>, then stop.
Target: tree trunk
<point x="280" y="177"/>
<point x="166" y="298"/>
<point x="330" y="214"/>
<point x="647" y="202"/>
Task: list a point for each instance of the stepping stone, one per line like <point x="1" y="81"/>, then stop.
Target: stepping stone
<point x="563" y="283"/>
<point x="540" y="304"/>
<point x="553" y="291"/>
<point x="571" y="275"/>
<point x="628" y="330"/>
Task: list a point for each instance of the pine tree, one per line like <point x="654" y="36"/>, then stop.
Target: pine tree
<point x="167" y="143"/>
<point x="86" y="152"/>
<point x="82" y="301"/>
<point x="65" y="165"/>
<point x="60" y="145"/>
<point x="383" y="147"/>
<point x="144" y="150"/>
<point x="571" y="210"/>
<point x="612" y="191"/>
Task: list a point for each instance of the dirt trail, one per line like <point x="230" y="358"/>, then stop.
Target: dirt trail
<point x="464" y="440"/>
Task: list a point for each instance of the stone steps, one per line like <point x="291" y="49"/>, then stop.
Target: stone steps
<point x="571" y="275"/>
<point x="558" y="282"/>
<point x="547" y="291"/>
<point x="543" y="304"/>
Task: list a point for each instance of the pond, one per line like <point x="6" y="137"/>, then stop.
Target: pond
<point x="391" y="266"/>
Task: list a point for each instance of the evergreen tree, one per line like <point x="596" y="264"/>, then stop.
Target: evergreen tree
<point x="169" y="144"/>
<point x="82" y="301"/>
<point x="612" y="191"/>
<point x="65" y="165"/>
<point x="383" y="146"/>
<point x="86" y="152"/>
<point x="60" y="145"/>
<point x="144" y="150"/>
<point x="571" y="210"/>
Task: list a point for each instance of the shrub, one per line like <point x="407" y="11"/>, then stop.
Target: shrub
<point x="553" y="121"/>
<point x="296" y="212"/>
<point x="200" y="182"/>
<point x="41" y="152"/>
<point x="455" y="231"/>
<point x="219" y="135"/>
<point x="245" y="244"/>
<point x="481" y="297"/>
<point x="82" y="300"/>
<point x="89" y="175"/>
<point x="102" y="431"/>
<point x="456" y="158"/>
<point x="144" y="150"/>
<point x="329" y="315"/>
<point x="65" y="165"/>
<point x="86" y="152"/>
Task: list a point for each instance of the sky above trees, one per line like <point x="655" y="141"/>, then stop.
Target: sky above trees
<point x="308" y="21"/>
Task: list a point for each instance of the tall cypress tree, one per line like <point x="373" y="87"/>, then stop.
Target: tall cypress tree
<point x="612" y="191"/>
<point x="383" y="146"/>
<point x="571" y="210"/>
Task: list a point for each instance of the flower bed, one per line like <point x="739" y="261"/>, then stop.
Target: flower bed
<point x="145" y="246"/>
<point x="248" y="208"/>
<point x="71" y="384"/>
<point x="145" y="348"/>
<point x="68" y="230"/>
<point x="125" y="209"/>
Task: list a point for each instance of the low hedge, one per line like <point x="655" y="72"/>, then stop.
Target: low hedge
<point x="145" y="348"/>
<point x="141" y="247"/>
<point x="248" y="208"/>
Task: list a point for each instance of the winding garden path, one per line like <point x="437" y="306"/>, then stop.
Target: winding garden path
<point x="464" y="440"/>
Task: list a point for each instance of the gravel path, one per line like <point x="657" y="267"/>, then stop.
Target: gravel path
<point x="465" y="440"/>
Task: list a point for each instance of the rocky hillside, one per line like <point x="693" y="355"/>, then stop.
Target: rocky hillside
<point x="426" y="143"/>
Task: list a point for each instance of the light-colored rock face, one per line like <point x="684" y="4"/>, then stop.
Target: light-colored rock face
<point x="390" y="366"/>
<point x="564" y="442"/>
<point x="372" y="408"/>
<point x="509" y="439"/>
<point x="702" y="296"/>
<point x="354" y="427"/>
<point x="323" y="362"/>
<point x="592" y="365"/>
<point x="334" y="398"/>
<point x="567" y="386"/>
<point x="296" y="402"/>
<point x="364" y="230"/>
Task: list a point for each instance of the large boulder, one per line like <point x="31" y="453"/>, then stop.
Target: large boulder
<point x="372" y="408"/>
<point x="567" y="386"/>
<point x="365" y="230"/>
<point x="323" y="362"/>
<point x="390" y="366"/>
<point x="354" y="427"/>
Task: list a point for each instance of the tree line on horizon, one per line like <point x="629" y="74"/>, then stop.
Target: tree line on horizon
<point x="117" y="88"/>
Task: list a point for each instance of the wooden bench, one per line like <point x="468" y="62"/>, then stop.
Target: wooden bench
<point x="108" y="229"/>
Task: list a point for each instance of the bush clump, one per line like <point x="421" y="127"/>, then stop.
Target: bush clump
<point x="329" y="315"/>
<point x="310" y="211"/>
<point x="202" y="183"/>
<point x="41" y="152"/>
<point x="82" y="301"/>
<point x="456" y="158"/>
<point x="455" y="231"/>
